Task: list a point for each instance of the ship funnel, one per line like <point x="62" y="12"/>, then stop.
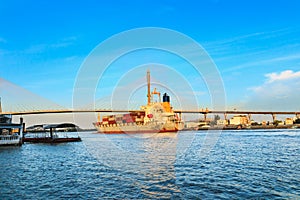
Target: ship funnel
<point x="166" y="103"/>
<point x="166" y="98"/>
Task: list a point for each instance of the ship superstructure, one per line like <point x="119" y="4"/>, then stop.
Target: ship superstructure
<point x="154" y="117"/>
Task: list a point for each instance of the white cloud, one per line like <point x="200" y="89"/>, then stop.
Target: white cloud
<point x="65" y="42"/>
<point x="279" y="92"/>
<point x="284" y="75"/>
<point x="259" y="63"/>
<point x="40" y="48"/>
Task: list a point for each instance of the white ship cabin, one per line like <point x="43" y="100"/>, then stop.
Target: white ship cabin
<point x="10" y="133"/>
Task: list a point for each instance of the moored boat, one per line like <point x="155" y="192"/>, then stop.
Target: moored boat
<point x="53" y="136"/>
<point x="11" y="134"/>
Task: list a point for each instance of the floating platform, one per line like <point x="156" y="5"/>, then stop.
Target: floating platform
<point x="51" y="140"/>
<point x="51" y="137"/>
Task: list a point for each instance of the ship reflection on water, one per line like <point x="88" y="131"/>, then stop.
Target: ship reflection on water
<point x="147" y="158"/>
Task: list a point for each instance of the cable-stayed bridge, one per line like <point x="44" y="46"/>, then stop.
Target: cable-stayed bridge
<point x="19" y="101"/>
<point x="201" y="111"/>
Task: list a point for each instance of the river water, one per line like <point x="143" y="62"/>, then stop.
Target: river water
<point x="246" y="164"/>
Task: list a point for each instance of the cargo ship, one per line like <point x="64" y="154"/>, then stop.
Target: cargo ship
<point x="155" y="117"/>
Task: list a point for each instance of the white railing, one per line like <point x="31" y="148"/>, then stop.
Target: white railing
<point x="10" y="139"/>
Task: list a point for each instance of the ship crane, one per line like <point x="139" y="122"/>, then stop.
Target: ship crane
<point x="157" y="93"/>
<point x="149" y="93"/>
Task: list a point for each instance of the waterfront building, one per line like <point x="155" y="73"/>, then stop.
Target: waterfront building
<point x="239" y="120"/>
<point x="222" y="122"/>
<point x="289" y="121"/>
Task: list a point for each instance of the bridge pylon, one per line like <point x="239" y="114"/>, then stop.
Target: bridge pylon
<point x="205" y="116"/>
<point x="249" y="118"/>
<point x="274" y="117"/>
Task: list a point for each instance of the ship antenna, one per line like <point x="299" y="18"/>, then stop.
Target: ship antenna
<point x="148" y="87"/>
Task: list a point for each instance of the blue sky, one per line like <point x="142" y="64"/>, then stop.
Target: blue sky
<point x="254" y="44"/>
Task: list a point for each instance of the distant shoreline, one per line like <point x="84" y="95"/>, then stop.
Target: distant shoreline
<point x="243" y="127"/>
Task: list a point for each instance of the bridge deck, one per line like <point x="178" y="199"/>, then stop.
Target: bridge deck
<point x="177" y="111"/>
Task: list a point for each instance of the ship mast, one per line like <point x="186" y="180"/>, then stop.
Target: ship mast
<point x="148" y="88"/>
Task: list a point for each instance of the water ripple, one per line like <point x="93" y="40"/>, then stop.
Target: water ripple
<point x="243" y="165"/>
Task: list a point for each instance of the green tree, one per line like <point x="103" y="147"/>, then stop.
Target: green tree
<point x="276" y="122"/>
<point x="216" y="118"/>
<point x="297" y="121"/>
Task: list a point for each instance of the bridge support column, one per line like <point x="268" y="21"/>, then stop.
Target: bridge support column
<point x="21" y="129"/>
<point x="51" y="132"/>
<point x="274" y="117"/>
<point x="205" y="116"/>
<point x="225" y="116"/>
<point x="98" y="117"/>
<point x="249" y="118"/>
